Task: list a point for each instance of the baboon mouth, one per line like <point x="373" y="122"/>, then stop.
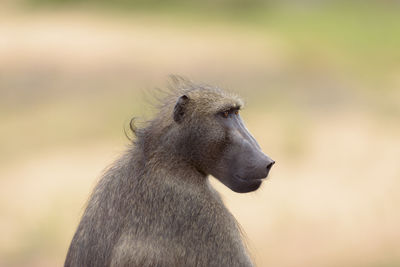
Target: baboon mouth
<point x="249" y="180"/>
<point x="241" y="185"/>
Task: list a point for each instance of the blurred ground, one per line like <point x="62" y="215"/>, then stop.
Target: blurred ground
<point x="322" y="87"/>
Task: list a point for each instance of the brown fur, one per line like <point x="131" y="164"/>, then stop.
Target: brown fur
<point x="155" y="205"/>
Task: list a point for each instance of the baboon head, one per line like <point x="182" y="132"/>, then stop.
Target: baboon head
<point x="213" y="137"/>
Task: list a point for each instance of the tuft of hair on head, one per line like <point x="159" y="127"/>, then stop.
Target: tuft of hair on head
<point x="179" y="85"/>
<point x="178" y="82"/>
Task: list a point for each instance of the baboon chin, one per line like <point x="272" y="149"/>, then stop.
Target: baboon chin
<point x="155" y="206"/>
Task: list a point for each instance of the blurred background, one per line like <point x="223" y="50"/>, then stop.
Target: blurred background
<point x="321" y="80"/>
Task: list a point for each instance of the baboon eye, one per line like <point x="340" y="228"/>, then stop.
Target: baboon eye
<point x="236" y="112"/>
<point x="225" y="114"/>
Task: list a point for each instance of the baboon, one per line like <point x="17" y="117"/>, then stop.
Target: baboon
<point x="155" y="205"/>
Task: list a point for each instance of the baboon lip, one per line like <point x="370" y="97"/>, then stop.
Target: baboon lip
<point x="241" y="185"/>
<point x="249" y="180"/>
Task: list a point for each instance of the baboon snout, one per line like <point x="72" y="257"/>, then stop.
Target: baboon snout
<point x="253" y="164"/>
<point x="263" y="166"/>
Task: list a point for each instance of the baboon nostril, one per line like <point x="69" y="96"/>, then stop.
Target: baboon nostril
<point x="270" y="165"/>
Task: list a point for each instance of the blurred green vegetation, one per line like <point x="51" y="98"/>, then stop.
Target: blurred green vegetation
<point x="159" y="4"/>
<point x="363" y="37"/>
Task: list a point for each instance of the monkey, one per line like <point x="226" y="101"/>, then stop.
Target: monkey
<point x="155" y="205"/>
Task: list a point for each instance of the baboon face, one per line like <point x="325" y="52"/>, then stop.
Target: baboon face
<point x="239" y="163"/>
<point x="243" y="165"/>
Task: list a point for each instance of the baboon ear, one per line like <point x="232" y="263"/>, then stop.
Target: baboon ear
<point x="180" y="108"/>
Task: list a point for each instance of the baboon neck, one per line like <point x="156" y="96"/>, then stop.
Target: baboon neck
<point x="175" y="168"/>
<point x="162" y="158"/>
